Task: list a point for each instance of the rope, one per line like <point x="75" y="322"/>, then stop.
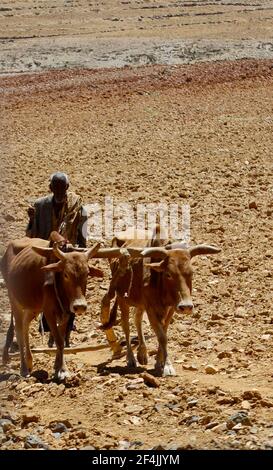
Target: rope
<point x="58" y="297"/>
<point x="42" y="326"/>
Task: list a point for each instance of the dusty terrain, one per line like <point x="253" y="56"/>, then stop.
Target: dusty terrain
<point x="199" y="134"/>
<point x="37" y="35"/>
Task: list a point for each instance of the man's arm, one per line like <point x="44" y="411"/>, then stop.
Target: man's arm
<point x="32" y="226"/>
<point x="31" y="215"/>
<point x="82" y="228"/>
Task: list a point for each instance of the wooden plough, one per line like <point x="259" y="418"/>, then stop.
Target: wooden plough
<point x="80" y="349"/>
<point x="71" y="350"/>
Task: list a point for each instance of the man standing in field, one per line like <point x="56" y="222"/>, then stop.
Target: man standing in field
<point x="62" y="212"/>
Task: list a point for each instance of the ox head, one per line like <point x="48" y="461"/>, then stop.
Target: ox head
<point x="74" y="270"/>
<point x="175" y="265"/>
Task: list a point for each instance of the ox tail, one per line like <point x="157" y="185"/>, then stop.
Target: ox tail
<point x="4" y="267"/>
<point x="112" y="318"/>
<point x="9" y="340"/>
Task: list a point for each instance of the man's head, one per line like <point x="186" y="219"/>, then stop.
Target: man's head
<point x="59" y="184"/>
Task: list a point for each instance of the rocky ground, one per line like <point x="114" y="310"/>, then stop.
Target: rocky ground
<point x="38" y="35"/>
<point x="200" y="135"/>
<point x="197" y="134"/>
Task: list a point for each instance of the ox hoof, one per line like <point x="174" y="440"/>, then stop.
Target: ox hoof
<point x="168" y="370"/>
<point x="25" y="373"/>
<point x="50" y="342"/>
<point x="117" y="351"/>
<point x="62" y="375"/>
<point x="142" y="357"/>
<point x="131" y="363"/>
<point x="5" y="357"/>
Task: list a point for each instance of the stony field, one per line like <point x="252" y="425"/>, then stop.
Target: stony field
<point x="184" y="132"/>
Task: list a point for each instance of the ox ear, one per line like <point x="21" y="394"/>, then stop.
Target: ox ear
<point x="56" y="267"/>
<point x="95" y="272"/>
<point x="159" y="267"/>
<point x="203" y="250"/>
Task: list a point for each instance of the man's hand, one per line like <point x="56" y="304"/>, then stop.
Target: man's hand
<point x="31" y="213"/>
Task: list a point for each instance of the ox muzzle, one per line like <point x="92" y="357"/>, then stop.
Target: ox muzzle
<point x="78" y="306"/>
<point x="185" y="306"/>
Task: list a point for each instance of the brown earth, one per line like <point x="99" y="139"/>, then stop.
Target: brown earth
<point x="198" y="134"/>
<point x="201" y="135"/>
<point x="37" y="35"/>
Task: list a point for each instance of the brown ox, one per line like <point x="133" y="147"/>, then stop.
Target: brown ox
<point x="14" y="247"/>
<point x="36" y="284"/>
<point x="167" y="287"/>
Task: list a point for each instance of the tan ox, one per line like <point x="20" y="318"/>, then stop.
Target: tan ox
<point x="165" y="288"/>
<point x="14" y="247"/>
<point x="36" y="284"/>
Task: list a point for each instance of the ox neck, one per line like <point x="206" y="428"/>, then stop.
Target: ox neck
<point x="156" y="285"/>
<point x="61" y="300"/>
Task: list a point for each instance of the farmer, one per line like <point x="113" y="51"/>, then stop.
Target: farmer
<point x="61" y="211"/>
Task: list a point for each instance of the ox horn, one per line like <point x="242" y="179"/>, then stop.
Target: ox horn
<point x="158" y="252"/>
<point x="116" y="252"/>
<point x="42" y="251"/>
<point x="134" y="252"/>
<point x="107" y="253"/>
<point x="58" y="253"/>
<point x="177" y="246"/>
<point x="92" y="251"/>
<point x="203" y="250"/>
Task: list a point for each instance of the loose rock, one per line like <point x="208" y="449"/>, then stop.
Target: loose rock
<point x="224" y="354"/>
<point x="34" y="442"/>
<point x="252" y="205"/>
<point x="58" y="427"/>
<point x="245" y="405"/>
<point x="150" y="380"/>
<point x="130" y="409"/>
<point x="240" y="417"/>
<point x="29" y="418"/>
<point x="252" y="395"/>
<point x="6" y="424"/>
<point x="209" y="369"/>
<point x="220" y="427"/>
<point x="136" y="420"/>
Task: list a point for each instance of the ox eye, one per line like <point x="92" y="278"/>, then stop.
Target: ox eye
<point x="66" y="276"/>
<point x="168" y="276"/>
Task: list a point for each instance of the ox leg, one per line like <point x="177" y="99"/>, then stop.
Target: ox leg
<point x="131" y="362"/>
<point x="63" y="328"/>
<point x="110" y="335"/>
<point x="69" y="328"/>
<point x="28" y="356"/>
<point x="168" y="363"/>
<point x="168" y="318"/>
<point x="19" y="328"/>
<point x="9" y="339"/>
<point x="50" y="342"/>
<point x="142" y="355"/>
<point x="163" y="364"/>
<point x="60" y="369"/>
